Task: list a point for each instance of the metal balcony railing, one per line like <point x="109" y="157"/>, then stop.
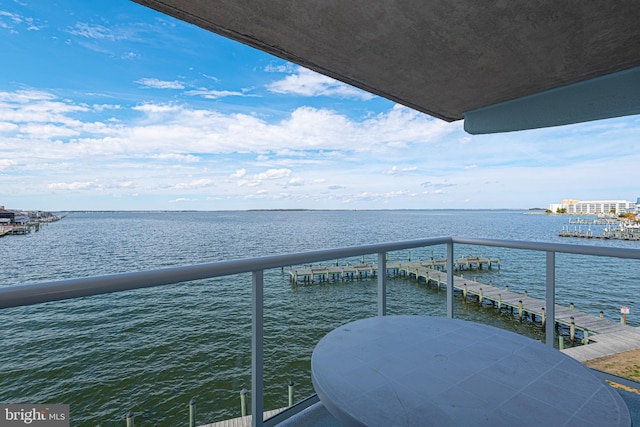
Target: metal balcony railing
<point x="29" y="294"/>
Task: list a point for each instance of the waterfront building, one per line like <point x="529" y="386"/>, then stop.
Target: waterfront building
<point x="13" y="217"/>
<point x="595" y="207"/>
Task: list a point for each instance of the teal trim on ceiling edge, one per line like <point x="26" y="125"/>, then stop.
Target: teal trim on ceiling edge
<point x="613" y="95"/>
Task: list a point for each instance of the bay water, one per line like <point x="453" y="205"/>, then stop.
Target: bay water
<point x="150" y="351"/>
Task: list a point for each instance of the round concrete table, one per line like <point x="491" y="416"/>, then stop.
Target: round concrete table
<point x="433" y="371"/>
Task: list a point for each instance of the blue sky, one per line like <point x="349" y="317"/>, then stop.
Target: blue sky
<point x="106" y="104"/>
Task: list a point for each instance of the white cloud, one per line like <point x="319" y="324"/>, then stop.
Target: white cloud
<point x="96" y="185"/>
<point x="183" y="158"/>
<point x="305" y="82"/>
<point x="258" y="179"/>
<point x="239" y="173"/>
<point x="273" y="174"/>
<point x="105" y="107"/>
<point x="48" y="130"/>
<point x="375" y="196"/>
<point x="296" y="181"/>
<point x="160" y="84"/>
<point x="6" y="164"/>
<point x="438" y="185"/>
<point x="206" y="76"/>
<point x="306" y="128"/>
<point x="199" y="183"/>
<point x="89" y="31"/>
<point x="13" y="21"/>
<point x="395" y="170"/>
<point x="74" y="186"/>
<point x="260" y="194"/>
<point x="150" y="108"/>
<point x="281" y="68"/>
<point x="438" y="191"/>
<point x="28" y="108"/>
<point x="13" y="17"/>
<point x="8" y="127"/>
<point x="213" y="94"/>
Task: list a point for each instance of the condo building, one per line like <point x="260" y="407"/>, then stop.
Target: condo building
<point x="595" y="207"/>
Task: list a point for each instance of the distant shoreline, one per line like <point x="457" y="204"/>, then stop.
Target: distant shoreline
<point x="300" y="210"/>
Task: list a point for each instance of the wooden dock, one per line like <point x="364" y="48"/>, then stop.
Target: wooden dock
<point x="242" y="421"/>
<point x="601" y="337"/>
<point x="322" y="273"/>
<point x="14" y="229"/>
<point x="606" y="236"/>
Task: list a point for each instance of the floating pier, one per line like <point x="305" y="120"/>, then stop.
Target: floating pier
<point x="604" y="337"/>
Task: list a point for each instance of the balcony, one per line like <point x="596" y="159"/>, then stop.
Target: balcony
<point x="310" y="411"/>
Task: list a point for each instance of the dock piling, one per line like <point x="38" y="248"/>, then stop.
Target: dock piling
<point x="192" y="413"/>
<point x="290" y="387"/>
<point x="572" y="330"/>
<point x="130" y="419"/>
<point x="243" y="402"/>
<point x="520" y="310"/>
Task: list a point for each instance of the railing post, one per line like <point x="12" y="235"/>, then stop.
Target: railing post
<point x="257" y="349"/>
<point x="450" y="278"/>
<point x="550" y="299"/>
<point x="382" y="284"/>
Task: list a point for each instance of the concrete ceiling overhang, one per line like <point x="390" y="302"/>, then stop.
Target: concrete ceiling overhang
<point x="501" y="65"/>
